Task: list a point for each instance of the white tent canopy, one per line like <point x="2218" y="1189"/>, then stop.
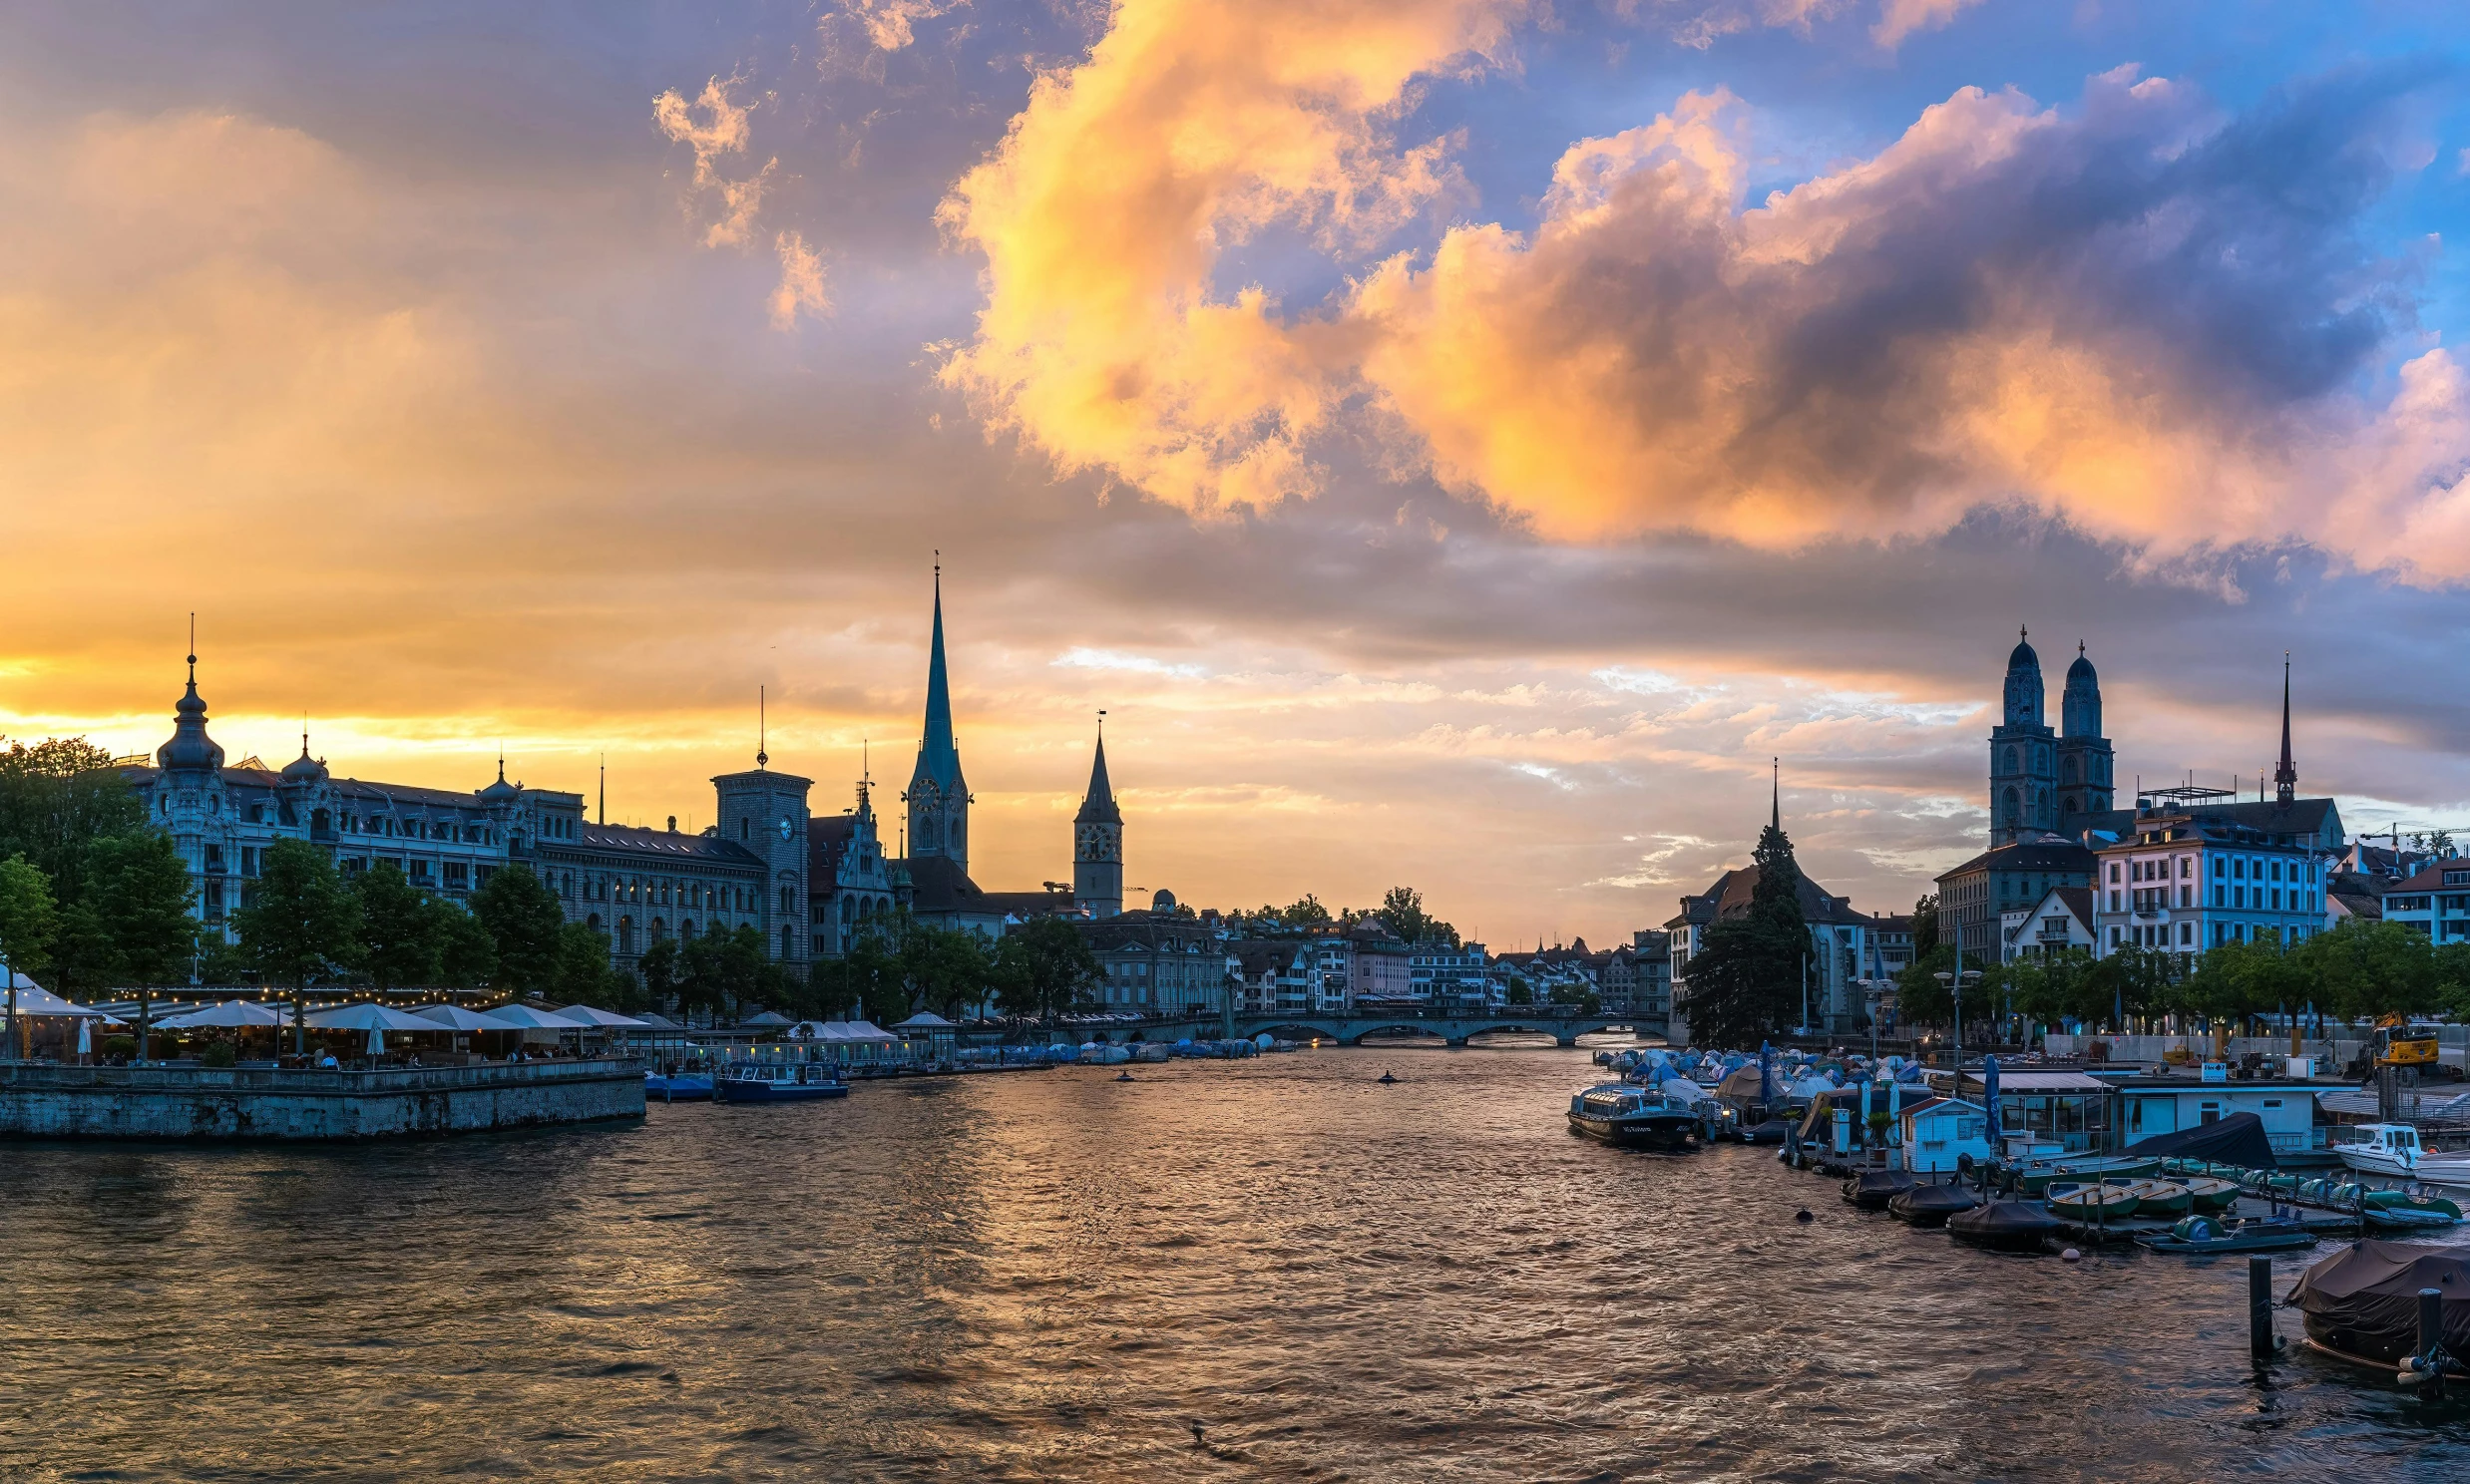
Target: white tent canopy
<point x="926" y="1020"/>
<point x="231" y="1013"/>
<point x="455" y="1018"/>
<point x="34" y="999"/>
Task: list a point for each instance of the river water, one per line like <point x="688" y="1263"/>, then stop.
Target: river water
<point x="1266" y="1269"/>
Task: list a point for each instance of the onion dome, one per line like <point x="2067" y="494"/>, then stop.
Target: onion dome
<point x="2022" y="657"/>
<point x="304" y="771"/>
<point x="2081" y="672"/>
<point x="190" y="749"/>
<point x="501" y="791"/>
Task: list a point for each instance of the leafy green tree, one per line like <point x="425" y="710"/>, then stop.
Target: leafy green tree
<point x="1520" y="992"/>
<point x="524" y="924"/>
<point x="1402" y="910"/>
<point x="583" y="974"/>
<point x="85" y="965"/>
<point x="56" y="798"/>
<point x="723" y="970"/>
<point x="401" y="930"/>
<point x="1305" y="912"/>
<point x="137" y="885"/>
<point x="945" y="968"/>
<point x="1044" y="969"/>
<point x="1745" y="978"/>
<point x="303" y="926"/>
<point x="28" y="923"/>
<point x="1926" y="926"/>
<point x="467" y="957"/>
<point x="2367" y="970"/>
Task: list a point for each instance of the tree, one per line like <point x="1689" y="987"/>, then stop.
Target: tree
<point x="722" y="971"/>
<point x="523" y="921"/>
<point x="467" y="957"/>
<point x="583" y="975"/>
<point x="1402" y="910"/>
<point x="302" y="926"/>
<point x="1745" y="978"/>
<point x="944" y="968"/>
<point x="1305" y="912"/>
<point x="1925" y="927"/>
<point x="137" y="886"/>
<point x="57" y="798"/>
<point x="1044" y="969"/>
<point x="2367" y="970"/>
<point x="658" y="969"/>
<point x="28" y="922"/>
<point x="401" y="933"/>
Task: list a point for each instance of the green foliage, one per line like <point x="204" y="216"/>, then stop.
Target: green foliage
<point x="399" y="932"/>
<point x="1520" y="992"/>
<point x="303" y="924"/>
<point x="1587" y="1000"/>
<point x="1745" y="978"/>
<point x="583" y="975"/>
<point x="1045" y="969"/>
<point x="217" y="1053"/>
<point x="525" y="925"/>
<point x="137" y="886"/>
<point x="1926" y="926"/>
<point x="120" y="1046"/>
<point x="29" y="920"/>
<point x="660" y="968"/>
<point x="722" y="972"/>
<point x="1305" y="912"/>
<point x="1402" y="910"/>
<point x="2363" y="969"/>
<point x="56" y="798"/>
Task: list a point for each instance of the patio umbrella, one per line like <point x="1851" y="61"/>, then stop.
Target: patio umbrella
<point x="1989" y="1097"/>
<point x="524" y="1017"/>
<point x="231" y="1015"/>
<point x="369" y="1018"/>
<point x="84" y="1037"/>
<point x="455" y="1018"/>
<point x="377" y="1042"/>
<point x="590" y="1016"/>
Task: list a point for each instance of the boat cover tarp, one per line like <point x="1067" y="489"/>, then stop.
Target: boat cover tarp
<point x="2236" y="1140"/>
<point x="2364" y="1297"/>
<point x="2005" y="1221"/>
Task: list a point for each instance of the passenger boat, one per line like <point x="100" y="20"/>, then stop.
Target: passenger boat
<point x="678" y="1087"/>
<point x="2093" y="1201"/>
<point x="776" y="1082"/>
<point x="1621" y="1114"/>
<point x="2197" y="1235"/>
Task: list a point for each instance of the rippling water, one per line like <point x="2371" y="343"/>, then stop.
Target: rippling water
<point x="1264" y="1269"/>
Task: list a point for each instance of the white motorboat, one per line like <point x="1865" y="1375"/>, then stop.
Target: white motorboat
<point x="2394" y="1149"/>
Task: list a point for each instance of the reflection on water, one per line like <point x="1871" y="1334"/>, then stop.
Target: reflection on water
<point x="1268" y="1268"/>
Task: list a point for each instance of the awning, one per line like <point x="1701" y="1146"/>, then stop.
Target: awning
<point x="231" y="1015"/>
<point x="371" y="1018"/>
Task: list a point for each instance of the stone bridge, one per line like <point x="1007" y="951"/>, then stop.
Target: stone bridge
<point x="1349" y="1030"/>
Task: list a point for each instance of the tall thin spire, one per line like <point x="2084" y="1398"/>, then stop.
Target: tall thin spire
<point x="1775" y="812"/>
<point x="2285" y="777"/>
<point x="192" y="650"/>
<point x="763" y="729"/>
<point x="1099" y="806"/>
<point x="604" y="788"/>
<point x="939" y="756"/>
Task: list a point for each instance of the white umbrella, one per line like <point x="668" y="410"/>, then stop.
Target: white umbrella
<point x="590" y="1016"/>
<point x="370" y="1017"/>
<point x="377" y="1042"/>
<point x="231" y="1013"/>
<point x="84" y="1037"/>
<point x="34" y="999"/>
<point x="925" y="1020"/>
<point x="455" y="1018"/>
<point x="524" y="1017"/>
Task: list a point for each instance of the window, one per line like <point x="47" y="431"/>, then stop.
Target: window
<point x="2114" y="880"/>
<point x="2187" y="934"/>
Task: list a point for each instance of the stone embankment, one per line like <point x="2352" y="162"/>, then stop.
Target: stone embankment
<point x="265" y="1103"/>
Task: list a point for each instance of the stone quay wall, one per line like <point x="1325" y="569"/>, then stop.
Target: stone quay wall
<point x="264" y="1103"/>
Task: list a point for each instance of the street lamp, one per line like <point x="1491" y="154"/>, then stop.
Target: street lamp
<point x="1955" y="986"/>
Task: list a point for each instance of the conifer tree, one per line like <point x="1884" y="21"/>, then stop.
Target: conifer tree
<point x="1745" y="982"/>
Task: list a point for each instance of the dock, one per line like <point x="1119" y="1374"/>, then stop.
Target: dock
<point x="309" y="1105"/>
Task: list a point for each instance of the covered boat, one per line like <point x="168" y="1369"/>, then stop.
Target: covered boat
<point x="2238" y="1140"/>
<point x="2005" y="1226"/>
<point x="1871" y="1190"/>
<point x="1932" y="1204"/>
<point x="2362" y="1302"/>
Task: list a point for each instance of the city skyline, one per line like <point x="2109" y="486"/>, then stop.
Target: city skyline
<point x="568" y="416"/>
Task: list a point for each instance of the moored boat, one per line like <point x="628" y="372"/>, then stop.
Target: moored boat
<point x="2005" y="1226"/>
<point x="1932" y="1204"/>
<point x="1871" y="1190"/>
<point x="2162" y="1198"/>
<point x="2197" y="1235"/>
<point x="2384" y="1149"/>
<point x="677" y="1087"/>
<point x="1633" y="1117"/>
<point x="776" y="1082"/>
<point x="2361" y="1302"/>
<point x="2211" y="1193"/>
<point x="2092" y="1201"/>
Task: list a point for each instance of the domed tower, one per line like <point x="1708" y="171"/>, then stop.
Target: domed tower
<point x="2023" y="759"/>
<point x="2084" y="763"/>
<point x="1097" y="844"/>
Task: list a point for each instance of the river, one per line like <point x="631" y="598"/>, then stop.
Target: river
<point x="1266" y="1269"/>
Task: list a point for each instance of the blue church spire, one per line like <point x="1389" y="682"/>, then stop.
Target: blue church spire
<point x="939" y="755"/>
<point x="938" y="796"/>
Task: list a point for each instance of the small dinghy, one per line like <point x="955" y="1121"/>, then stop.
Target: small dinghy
<point x="2162" y="1198"/>
<point x="2005" y="1226"/>
<point x="2196" y="1235"/>
<point x="1873" y="1189"/>
<point x="2096" y="1201"/>
<point x="2211" y="1193"/>
<point x="1932" y="1204"/>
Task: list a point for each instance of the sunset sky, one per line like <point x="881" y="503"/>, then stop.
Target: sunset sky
<point x="1458" y="442"/>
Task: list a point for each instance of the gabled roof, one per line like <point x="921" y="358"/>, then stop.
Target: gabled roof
<point x="939" y="885"/>
<point x="2049" y="853"/>
<point x="654" y="846"/>
<point x="2431" y="878"/>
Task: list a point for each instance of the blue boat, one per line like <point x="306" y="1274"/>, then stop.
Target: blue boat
<point x="776" y="1082"/>
<point x="678" y="1087"/>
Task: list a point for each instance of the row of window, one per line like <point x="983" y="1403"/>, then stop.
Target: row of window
<point x="2225" y="868"/>
<point x="2181" y="934"/>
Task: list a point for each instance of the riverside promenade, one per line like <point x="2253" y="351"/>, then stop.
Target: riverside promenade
<point x="310" y="1104"/>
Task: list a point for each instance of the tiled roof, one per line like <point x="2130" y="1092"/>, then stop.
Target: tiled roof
<point x="654" y="845"/>
<point x="2028" y="855"/>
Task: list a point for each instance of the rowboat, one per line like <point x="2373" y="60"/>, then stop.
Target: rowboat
<point x="2093" y="1201"/>
<point x="2210" y="1192"/>
<point x="2162" y="1198"/>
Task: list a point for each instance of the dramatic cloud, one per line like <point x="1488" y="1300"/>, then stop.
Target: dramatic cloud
<point x="2135" y="312"/>
<point x="722" y="130"/>
<point x="801" y="283"/>
<point x="1898" y="19"/>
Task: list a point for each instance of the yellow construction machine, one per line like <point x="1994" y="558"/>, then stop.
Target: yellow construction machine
<point x="2399" y="1044"/>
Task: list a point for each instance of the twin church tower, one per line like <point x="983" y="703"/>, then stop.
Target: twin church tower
<point x="939" y="799"/>
<point x="2042" y="781"/>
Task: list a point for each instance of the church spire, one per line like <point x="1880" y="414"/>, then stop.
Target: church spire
<point x="938" y="796"/>
<point x="1099" y="806"/>
<point x="939" y="755"/>
<point x="1775" y="782"/>
<point x="2285" y="777"/>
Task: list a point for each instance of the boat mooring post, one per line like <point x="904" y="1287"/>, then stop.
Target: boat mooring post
<point x="2430" y="1361"/>
<point x="2263" y="1344"/>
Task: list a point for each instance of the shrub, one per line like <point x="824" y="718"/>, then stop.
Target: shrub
<point x="219" y="1054"/>
<point x="120" y="1046"/>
